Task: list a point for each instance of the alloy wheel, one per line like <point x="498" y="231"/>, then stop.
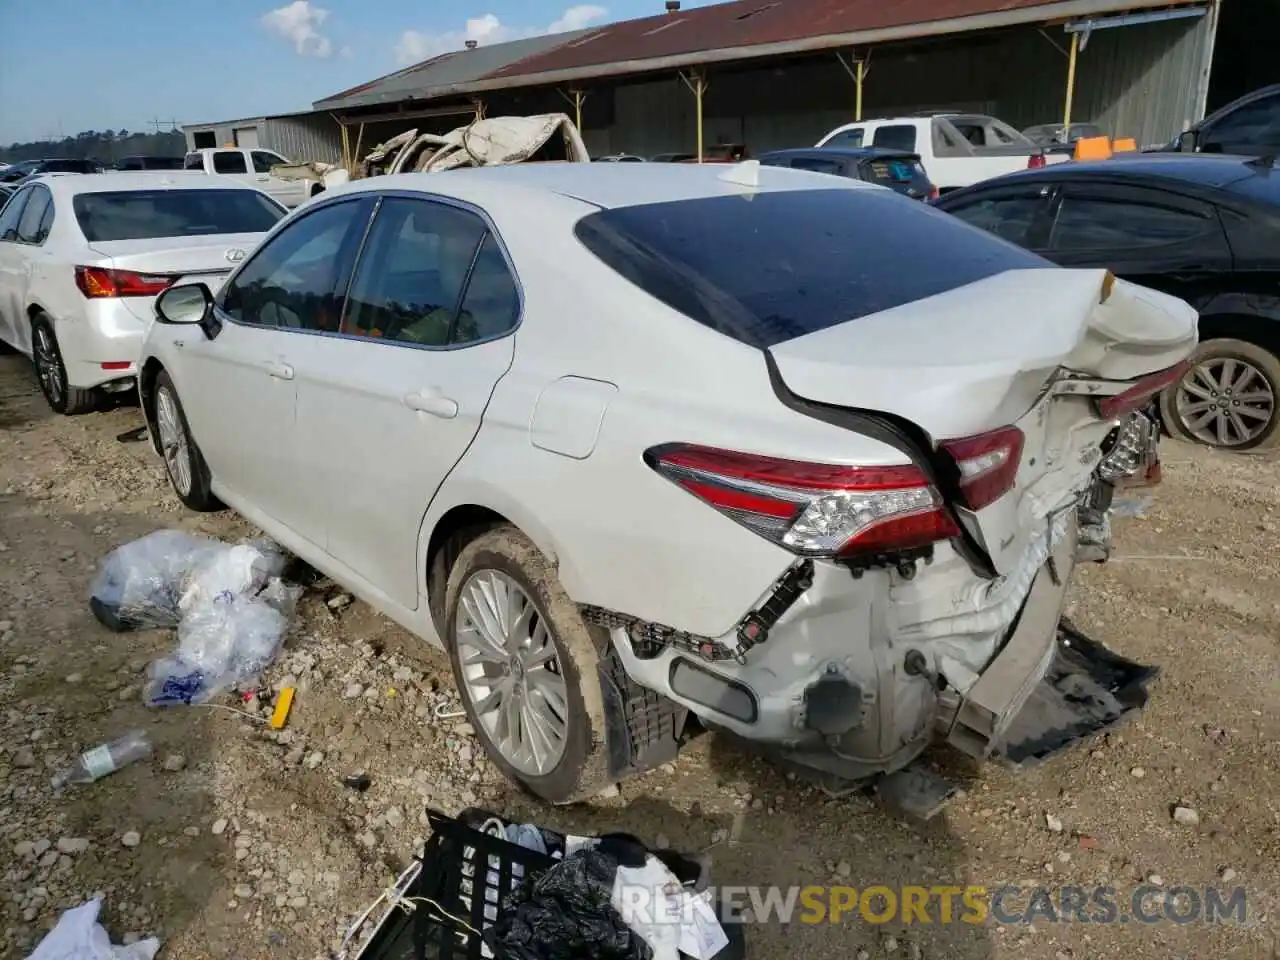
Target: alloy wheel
<point x="511" y="672"/>
<point x="1225" y="402"/>
<point x="48" y="365"/>
<point x="173" y="441"/>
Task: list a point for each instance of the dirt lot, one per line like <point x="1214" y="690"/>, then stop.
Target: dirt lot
<point x="247" y="843"/>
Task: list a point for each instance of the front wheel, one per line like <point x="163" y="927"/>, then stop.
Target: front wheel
<point x="183" y="462"/>
<point x="1228" y="397"/>
<point x="526" y="667"/>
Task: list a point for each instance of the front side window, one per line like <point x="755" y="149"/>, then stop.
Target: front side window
<point x="297" y="279"/>
<point x="229" y="161"/>
<point x="411" y="274"/>
<point x="847" y="138"/>
<point x="194" y="161"/>
<point x="150" y="214"/>
<point x="1009" y="218"/>
<point x="895" y="137"/>
<point x="1086" y="223"/>
<point x="33" y="216"/>
<point x="263" y="161"/>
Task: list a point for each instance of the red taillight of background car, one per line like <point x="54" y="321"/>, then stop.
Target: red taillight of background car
<point x="813" y="509"/>
<point x="1136" y="396"/>
<point x="98" y="283"/>
<point x="1036" y="161"/>
<point x="988" y="464"/>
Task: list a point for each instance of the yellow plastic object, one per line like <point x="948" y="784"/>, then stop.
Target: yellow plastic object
<point x="1124" y="145"/>
<point x="283" y="704"/>
<point x="1093" y="148"/>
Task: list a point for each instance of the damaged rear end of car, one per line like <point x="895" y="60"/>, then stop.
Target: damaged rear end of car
<point x="997" y="400"/>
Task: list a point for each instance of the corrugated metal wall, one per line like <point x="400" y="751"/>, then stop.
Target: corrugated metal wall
<point x="1140" y="81"/>
<point x="311" y="137"/>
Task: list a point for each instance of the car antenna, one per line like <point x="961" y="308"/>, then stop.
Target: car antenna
<point x="1265" y="162"/>
<point x="744" y="174"/>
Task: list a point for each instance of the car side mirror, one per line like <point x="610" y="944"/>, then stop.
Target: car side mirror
<point x="188" y="303"/>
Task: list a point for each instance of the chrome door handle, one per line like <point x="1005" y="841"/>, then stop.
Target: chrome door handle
<point x="432" y="403"/>
<point x="281" y="371"/>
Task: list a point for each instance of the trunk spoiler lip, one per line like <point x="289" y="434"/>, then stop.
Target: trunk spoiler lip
<point x="902" y="435"/>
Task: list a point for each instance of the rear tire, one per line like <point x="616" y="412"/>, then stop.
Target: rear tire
<point x="51" y="372"/>
<point x="1250" y="372"/>
<point x="527" y="653"/>
<point x="189" y="475"/>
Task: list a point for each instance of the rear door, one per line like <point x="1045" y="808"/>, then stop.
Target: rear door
<point x="235" y="164"/>
<point x="426" y="335"/>
<point x="13" y="330"/>
<point x="1154" y="237"/>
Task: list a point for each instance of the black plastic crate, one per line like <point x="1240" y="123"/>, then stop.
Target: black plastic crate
<point x="468" y="874"/>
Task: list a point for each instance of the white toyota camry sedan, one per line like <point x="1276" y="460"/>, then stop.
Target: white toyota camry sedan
<point x="82" y="258"/>
<point x="790" y="453"/>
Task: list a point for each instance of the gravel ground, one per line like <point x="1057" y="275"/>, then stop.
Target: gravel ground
<point x="233" y="840"/>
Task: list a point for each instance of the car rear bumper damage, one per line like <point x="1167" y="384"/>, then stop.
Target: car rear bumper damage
<point x="852" y="674"/>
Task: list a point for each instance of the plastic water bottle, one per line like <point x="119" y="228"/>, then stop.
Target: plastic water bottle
<point x="108" y="758"/>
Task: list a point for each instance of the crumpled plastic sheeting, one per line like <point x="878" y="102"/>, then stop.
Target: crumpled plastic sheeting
<point x="566" y="914"/>
<point x="79" y="936"/>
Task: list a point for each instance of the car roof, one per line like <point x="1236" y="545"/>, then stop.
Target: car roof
<point x="73" y="184"/>
<point x="1199" y="169"/>
<point x="606" y="185"/>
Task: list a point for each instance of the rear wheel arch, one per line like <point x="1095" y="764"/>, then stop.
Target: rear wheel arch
<point x="147" y="377"/>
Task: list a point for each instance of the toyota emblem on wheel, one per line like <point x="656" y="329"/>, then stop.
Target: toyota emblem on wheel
<point x="234" y="255"/>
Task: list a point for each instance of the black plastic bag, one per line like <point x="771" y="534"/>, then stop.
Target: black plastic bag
<point x="566" y="914"/>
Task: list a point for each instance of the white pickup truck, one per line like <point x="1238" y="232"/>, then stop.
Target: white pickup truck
<point x="254" y="168"/>
<point x="957" y="149"/>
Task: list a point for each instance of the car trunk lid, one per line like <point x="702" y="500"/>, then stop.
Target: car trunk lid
<point x="1030" y="348"/>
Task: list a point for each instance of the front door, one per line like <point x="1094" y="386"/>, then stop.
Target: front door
<point x="386" y="410"/>
<point x="290" y="193"/>
<point x="239" y="388"/>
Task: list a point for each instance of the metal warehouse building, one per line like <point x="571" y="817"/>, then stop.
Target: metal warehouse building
<point x="779" y="73"/>
<point x="303" y="136"/>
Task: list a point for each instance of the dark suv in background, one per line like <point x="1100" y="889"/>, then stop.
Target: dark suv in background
<point x="30" y="168"/>
<point x="1248" y="127"/>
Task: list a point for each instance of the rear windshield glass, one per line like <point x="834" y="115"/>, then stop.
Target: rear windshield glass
<point x="896" y="172"/>
<point x="773" y="266"/>
<point x="147" y="214"/>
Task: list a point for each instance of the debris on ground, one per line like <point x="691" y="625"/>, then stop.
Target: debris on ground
<point x="79" y="936"/>
<point x="108" y="758"/>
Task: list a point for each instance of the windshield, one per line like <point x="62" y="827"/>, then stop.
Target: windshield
<point x="149" y="214"/>
<point x="781" y="264"/>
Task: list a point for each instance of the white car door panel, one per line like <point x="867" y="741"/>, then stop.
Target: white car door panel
<point x="13" y="273"/>
<point x="243" y="383"/>
<point x="405" y="386"/>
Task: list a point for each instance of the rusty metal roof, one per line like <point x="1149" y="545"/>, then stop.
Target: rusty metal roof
<point x="754" y="23"/>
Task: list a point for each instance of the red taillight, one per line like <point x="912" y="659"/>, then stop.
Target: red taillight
<point x="1109" y="408"/>
<point x="97" y="283"/>
<point x="934" y="194"/>
<point x="988" y="464"/>
<point x="812" y="509"/>
<point x="1035" y="161"/>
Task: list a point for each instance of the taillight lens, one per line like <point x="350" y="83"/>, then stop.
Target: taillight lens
<point x="1035" y="161"/>
<point x="988" y="464"/>
<point x="1134" y="398"/>
<point x="813" y="509"/>
<point x="97" y="283"/>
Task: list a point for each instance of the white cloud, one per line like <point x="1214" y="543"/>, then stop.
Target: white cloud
<point x="415" y="45"/>
<point x="299" y="23"/>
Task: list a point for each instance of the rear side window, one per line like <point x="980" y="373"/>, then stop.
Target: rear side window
<point x="897" y="173"/>
<point x="229" y="161"/>
<point x="147" y="214"/>
<point x="1092" y="224"/>
<point x="817" y="165"/>
<point x="33" y="217"/>
<point x="895" y="137"/>
<point x="12" y="213"/>
<point x="786" y="264"/>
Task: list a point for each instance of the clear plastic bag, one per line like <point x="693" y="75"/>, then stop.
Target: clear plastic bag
<point x="151" y="582"/>
<point x="223" y="641"/>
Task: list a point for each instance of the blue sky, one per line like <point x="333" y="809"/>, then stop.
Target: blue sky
<point x="72" y="65"/>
